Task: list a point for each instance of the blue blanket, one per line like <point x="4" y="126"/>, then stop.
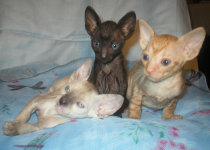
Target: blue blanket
<point x="111" y="133"/>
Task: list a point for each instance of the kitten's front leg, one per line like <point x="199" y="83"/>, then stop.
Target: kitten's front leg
<point x="134" y="108"/>
<point x="168" y="112"/>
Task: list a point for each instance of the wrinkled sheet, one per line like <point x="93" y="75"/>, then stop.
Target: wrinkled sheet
<point x="38" y="35"/>
<point x="111" y="133"/>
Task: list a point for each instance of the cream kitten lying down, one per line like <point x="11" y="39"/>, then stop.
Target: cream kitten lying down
<point x="68" y="98"/>
<point x="157" y="81"/>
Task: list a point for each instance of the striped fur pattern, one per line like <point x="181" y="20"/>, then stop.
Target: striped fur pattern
<point x="156" y="81"/>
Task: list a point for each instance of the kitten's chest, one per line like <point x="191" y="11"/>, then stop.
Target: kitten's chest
<point x="110" y="78"/>
<point x="106" y="70"/>
<point x="111" y="70"/>
<point x="161" y="91"/>
<point x="159" y="95"/>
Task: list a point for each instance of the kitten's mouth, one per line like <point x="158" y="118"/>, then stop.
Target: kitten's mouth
<point x="105" y="60"/>
<point x="58" y="108"/>
<point x="153" y="79"/>
<point x="60" y="111"/>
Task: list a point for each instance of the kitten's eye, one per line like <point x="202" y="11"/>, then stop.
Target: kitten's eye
<point x="67" y="89"/>
<point x="115" y="46"/>
<point x="165" y="62"/>
<point x="80" y="105"/>
<point x="145" y="57"/>
<point x="96" y="43"/>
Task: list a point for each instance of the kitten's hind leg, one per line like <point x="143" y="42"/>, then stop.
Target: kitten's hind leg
<point x="168" y="112"/>
<point x="15" y="127"/>
<point x="26" y="112"/>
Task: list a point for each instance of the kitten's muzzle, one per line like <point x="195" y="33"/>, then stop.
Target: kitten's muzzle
<point x="104" y="53"/>
<point x="64" y="100"/>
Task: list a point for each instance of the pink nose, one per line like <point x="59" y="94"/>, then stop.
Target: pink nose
<point x="58" y="108"/>
<point x="150" y="70"/>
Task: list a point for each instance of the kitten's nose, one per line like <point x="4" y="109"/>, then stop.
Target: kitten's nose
<point x="150" y="69"/>
<point x="104" y="53"/>
<point x="64" y="100"/>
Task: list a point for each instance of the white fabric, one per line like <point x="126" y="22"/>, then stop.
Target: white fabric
<point x="52" y="32"/>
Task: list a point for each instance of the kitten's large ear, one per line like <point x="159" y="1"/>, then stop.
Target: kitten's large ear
<point x="127" y="24"/>
<point x="92" y="20"/>
<point x="191" y="43"/>
<point x="83" y="72"/>
<point x="105" y="105"/>
<point x="146" y="32"/>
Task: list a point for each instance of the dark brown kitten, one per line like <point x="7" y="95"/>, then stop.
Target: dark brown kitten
<point x="107" y="40"/>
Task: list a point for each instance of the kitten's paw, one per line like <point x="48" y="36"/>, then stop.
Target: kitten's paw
<point x="133" y="116"/>
<point x="172" y="117"/>
<point x="11" y="128"/>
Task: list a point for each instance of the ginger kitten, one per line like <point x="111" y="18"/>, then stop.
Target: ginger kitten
<point x="156" y="81"/>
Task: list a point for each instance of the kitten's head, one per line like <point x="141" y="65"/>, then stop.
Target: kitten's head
<point x="164" y="55"/>
<point x="108" y="37"/>
<point x="80" y="99"/>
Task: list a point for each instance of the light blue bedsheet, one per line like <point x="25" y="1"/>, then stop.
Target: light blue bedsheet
<point x="111" y="133"/>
